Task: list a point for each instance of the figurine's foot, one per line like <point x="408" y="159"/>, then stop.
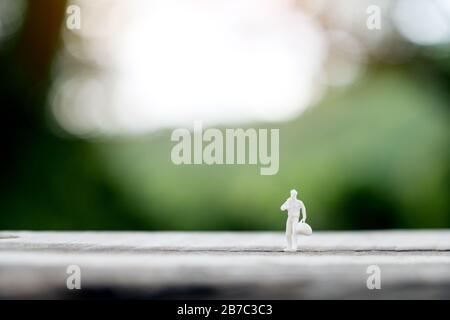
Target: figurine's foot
<point x="289" y="250"/>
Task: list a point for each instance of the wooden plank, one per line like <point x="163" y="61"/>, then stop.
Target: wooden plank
<point x="413" y="264"/>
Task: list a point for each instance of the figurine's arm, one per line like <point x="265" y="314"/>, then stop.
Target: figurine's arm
<point x="284" y="206"/>
<point x="303" y="210"/>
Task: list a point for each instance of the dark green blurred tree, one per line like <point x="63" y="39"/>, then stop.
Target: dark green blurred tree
<point x="47" y="181"/>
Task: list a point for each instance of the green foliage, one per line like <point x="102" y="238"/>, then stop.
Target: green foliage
<point x="374" y="156"/>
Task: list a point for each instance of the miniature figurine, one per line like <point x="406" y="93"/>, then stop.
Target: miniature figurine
<point x="293" y="207"/>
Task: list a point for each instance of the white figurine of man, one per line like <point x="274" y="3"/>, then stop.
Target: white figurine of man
<point x="293" y="207"/>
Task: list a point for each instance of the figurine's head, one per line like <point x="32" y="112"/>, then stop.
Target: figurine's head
<point x="293" y="193"/>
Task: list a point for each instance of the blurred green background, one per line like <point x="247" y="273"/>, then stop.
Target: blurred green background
<point x="371" y="155"/>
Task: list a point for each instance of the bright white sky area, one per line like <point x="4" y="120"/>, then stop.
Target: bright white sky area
<point x="141" y="65"/>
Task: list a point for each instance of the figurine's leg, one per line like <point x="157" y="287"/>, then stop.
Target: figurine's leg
<point x="288" y="235"/>
<point x="294" y="234"/>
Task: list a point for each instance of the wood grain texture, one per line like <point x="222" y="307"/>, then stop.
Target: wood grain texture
<point x="214" y="265"/>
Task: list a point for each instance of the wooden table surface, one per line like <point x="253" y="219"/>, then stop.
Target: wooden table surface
<point x="225" y="265"/>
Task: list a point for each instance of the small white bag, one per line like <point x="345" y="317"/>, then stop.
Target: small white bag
<point x="304" y="229"/>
